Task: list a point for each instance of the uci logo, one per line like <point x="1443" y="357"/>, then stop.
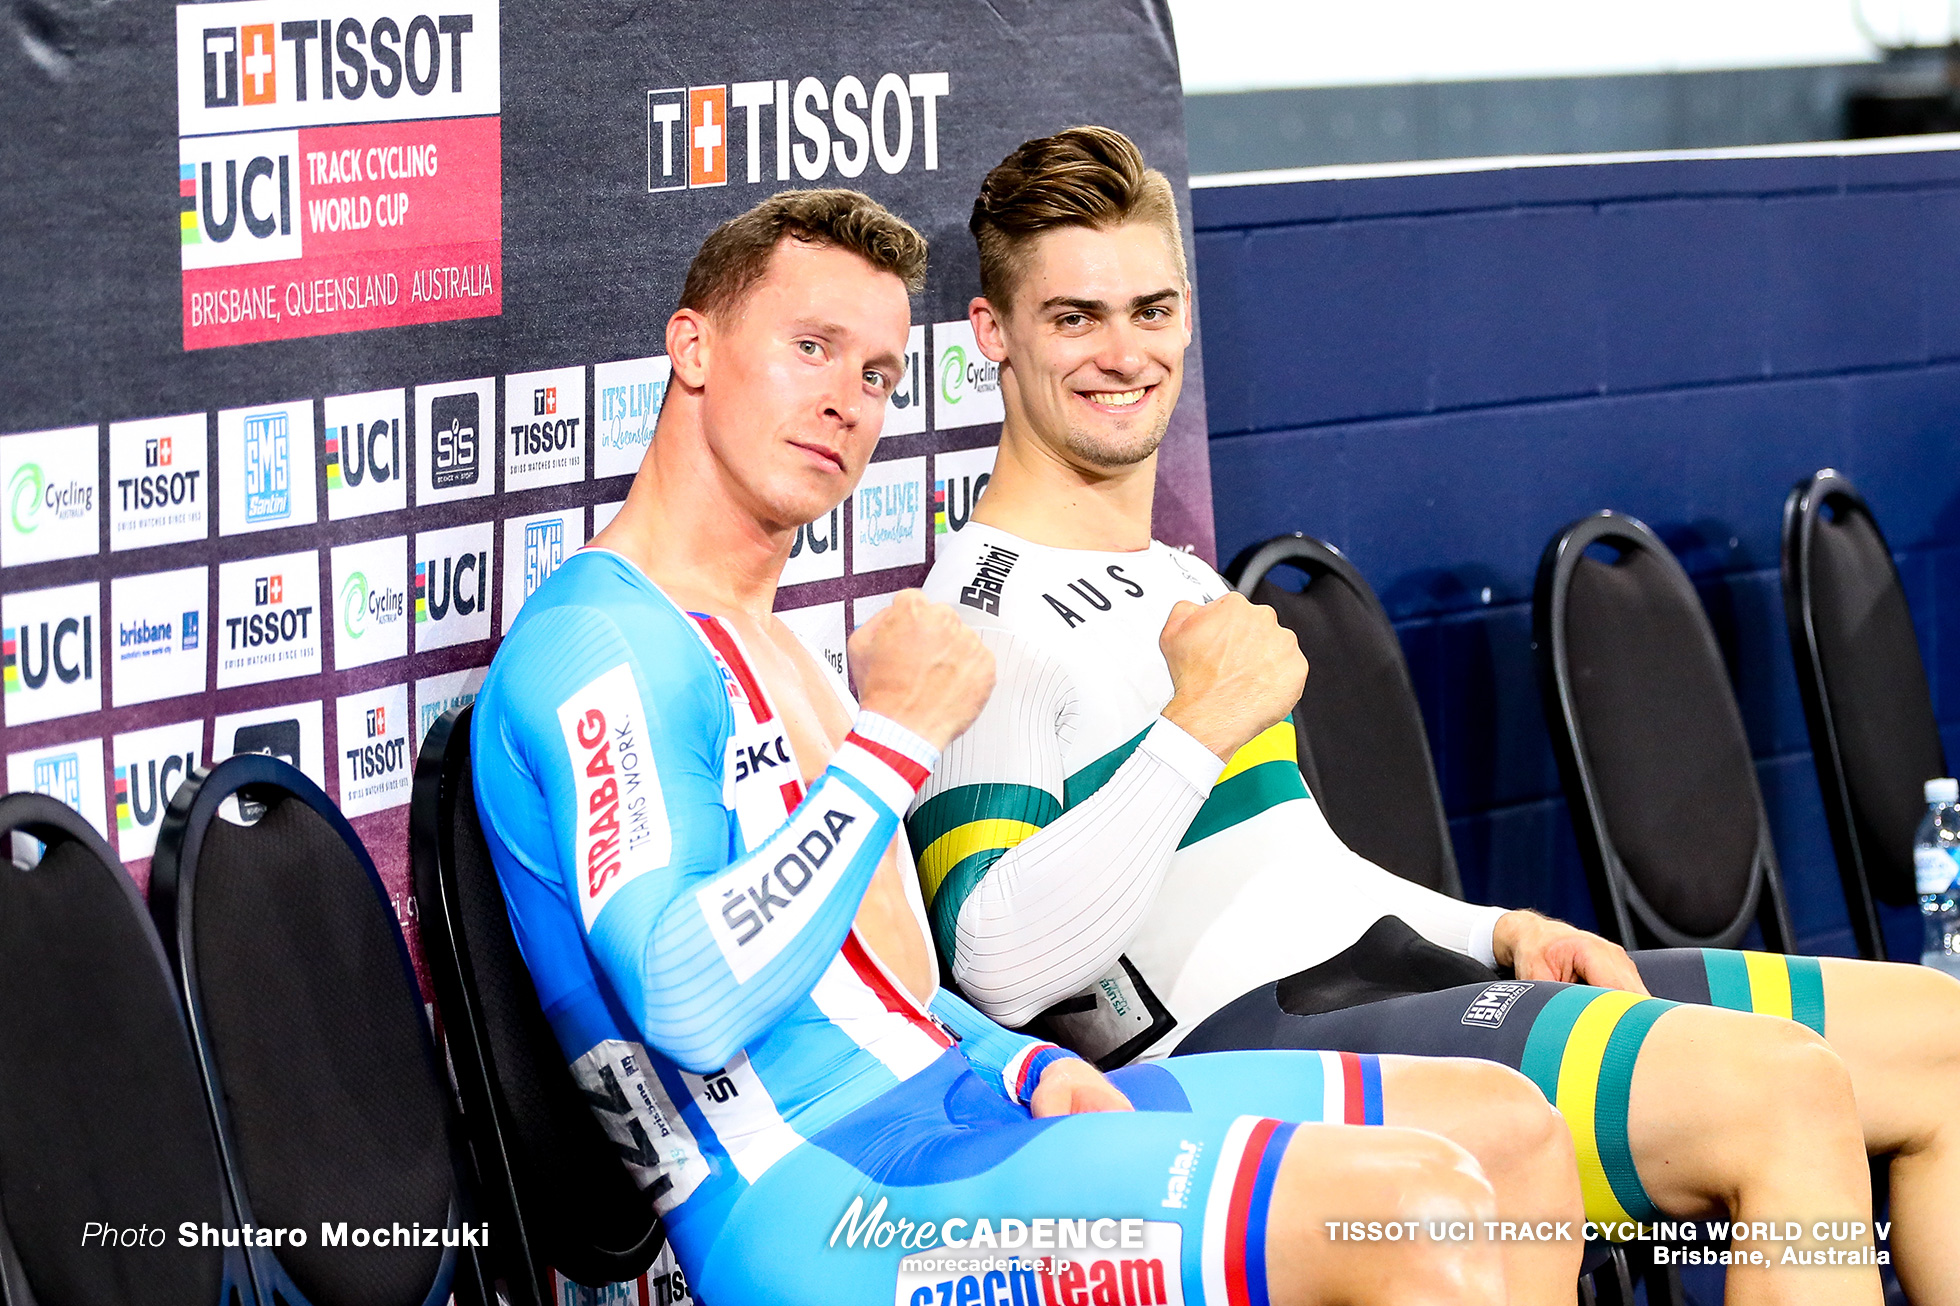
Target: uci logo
<point x="369" y="451"/>
<point x="817" y="537"/>
<point x="67" y="647"/>
<point x="454" y="585"/>
<point x="163" y="774"/>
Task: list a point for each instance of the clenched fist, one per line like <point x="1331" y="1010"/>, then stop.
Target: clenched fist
<point x="1234" y="671"/>
<point x="917" y="663"/>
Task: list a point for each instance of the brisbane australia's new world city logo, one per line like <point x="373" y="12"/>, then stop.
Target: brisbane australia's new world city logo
<point x="337" y="170"/>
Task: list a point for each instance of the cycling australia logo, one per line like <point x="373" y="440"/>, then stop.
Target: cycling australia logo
<point x="371" y="598"/>
<point x="49" y="478"/>
<point x="268" y="619"/>
<point x="265" y="467"/>
<point x="888" y="513"/>
<point x="452" y="586"/>
<point x="840" y="128"/>
<point x="49" y="665"/>
<point x="967" y="381"/>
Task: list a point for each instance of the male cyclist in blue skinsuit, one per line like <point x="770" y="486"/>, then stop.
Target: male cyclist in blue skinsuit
<point x="695" y="835"/>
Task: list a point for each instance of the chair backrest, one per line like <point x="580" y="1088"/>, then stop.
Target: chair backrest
<point x="103" y="1120"/>
<point x="554" y="1189"/>
<point x="1872" y="729"/>
<point x="1363" y="750"/>
<point x="313" y="1038"/>
<point x="1656" y="765"/>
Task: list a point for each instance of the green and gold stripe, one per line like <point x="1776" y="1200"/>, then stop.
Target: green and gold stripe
<point x="1263" y="774"/>
<point x="1766" y="983"/>
<point x="1581" y="1053"/>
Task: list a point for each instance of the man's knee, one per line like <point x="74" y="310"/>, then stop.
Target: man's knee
<point x="1794" y="1079"/>
<point x="1389" y="1176"/>
<point x="1508" y="1119"/>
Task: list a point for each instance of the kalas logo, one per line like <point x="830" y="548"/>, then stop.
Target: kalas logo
<point x="440" y="591"/>
<point x="369" y="451"/>
<point x="164" y="775"/>
<point x="453" y="426"/>
<point x="690" y="138"/>
<point x="32" y="499"/>
<point x="268" y="467"/>
<point x="67" y="646"/>
<point x="362" y="605"/>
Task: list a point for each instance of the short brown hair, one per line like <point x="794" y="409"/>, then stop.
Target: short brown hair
<point x="736" y="255"/>
<point x="1082" y="177"/>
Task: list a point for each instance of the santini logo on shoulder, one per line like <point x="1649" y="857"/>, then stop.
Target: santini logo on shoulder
<point x="621" y="819"/>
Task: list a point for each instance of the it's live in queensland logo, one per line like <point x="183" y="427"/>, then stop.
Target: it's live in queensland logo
<point x="337" y="173"/>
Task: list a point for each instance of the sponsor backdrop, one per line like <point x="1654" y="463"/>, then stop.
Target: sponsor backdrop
<point x="329" y="336"/>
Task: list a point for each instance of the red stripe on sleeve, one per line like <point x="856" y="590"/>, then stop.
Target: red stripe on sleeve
<point x="913" y="774"/>
<point x="1240" y="1212"/>
<point x="1354" y="1103"/>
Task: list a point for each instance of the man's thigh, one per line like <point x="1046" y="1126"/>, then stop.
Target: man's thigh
<point x="1197" y="1187"/>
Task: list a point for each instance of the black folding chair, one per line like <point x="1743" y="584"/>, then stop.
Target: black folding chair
<point x="556" y="1194"/>
<point x="314" y="1044"/>
<point x="1363" y="750"/>
<point x="106" y="1140"/>
<point x="1650" y="743"/>
<point x="1872" y="730"/>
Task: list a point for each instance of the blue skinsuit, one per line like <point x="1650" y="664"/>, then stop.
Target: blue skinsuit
<point x="686" y="910"/>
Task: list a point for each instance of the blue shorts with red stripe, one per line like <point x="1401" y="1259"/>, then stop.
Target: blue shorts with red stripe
<point x="1028" y="1212"/>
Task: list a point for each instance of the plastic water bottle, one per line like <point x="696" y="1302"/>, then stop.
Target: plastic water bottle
<point x="1936" y="861"/>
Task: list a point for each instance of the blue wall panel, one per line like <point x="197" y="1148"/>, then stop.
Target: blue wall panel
<point x="1438" y="372"/>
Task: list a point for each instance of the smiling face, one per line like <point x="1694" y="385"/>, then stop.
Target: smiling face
<point x="795" y="379"/>
<point x="1093" y="342"/>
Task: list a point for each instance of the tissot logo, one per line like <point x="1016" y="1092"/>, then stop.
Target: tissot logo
<point x="268" y="619"/>
<point x="252" y="65"/>
<point x="158" y="489"/>
<point x="815" y="126"/>
<point x="375" y="767"/>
